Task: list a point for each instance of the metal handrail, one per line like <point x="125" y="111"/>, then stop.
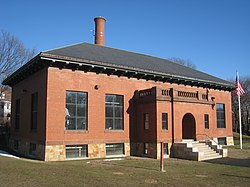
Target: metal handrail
<point x="210" y="138"/>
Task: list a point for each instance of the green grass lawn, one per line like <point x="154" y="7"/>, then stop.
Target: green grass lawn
<point x="232" y="171"/>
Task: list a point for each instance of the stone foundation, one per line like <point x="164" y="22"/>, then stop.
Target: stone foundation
<point x="55" y="153"/>
<point x="96" y="151"/>
<point x="230" y="140"/>
<point x="58" y="152"/>
<point x="24" y="148"/>
<point x="154" y="150"/>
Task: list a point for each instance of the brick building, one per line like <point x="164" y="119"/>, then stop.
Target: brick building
<point x="91" y="101"/>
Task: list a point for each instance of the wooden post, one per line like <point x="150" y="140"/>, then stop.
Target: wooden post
<point x="162" y="158"/>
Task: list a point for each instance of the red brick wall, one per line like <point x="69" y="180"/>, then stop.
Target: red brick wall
<point x="23" y="91"/>
<point x="61" y="80"/>
<point x="51" y="109"/>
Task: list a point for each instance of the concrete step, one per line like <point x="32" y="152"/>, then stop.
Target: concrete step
<point x="193" y="150"/>
<point x="210" y="157"/>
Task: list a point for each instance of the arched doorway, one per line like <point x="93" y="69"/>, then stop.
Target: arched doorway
<point x="188" y="126"/>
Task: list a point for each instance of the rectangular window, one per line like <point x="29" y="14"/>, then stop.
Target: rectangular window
<point x="145" y="148"/>
<point x="146" y="121"/>
<point x="16" y="144"/>
<point x="114" y="149"/>
<point x="206" y="121"/>
<point x="76" y="151"/>
<point x="164" y="121"/>
<point x="76" y="110"/>
<point x="165" y="147"/>
<point x="32" y="150"/>
<point x="222" y="141"/>
<point x="114" y="112"/>
<point x="220" y="114"/>
<point x="17" y="114"/>
<point x="34" y="107"/>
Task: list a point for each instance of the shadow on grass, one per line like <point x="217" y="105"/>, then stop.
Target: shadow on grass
<point x="229" y="175"/>
<point x="231" y="161"/>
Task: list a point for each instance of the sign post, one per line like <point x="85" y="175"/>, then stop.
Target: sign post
<point x="162" y="158"/>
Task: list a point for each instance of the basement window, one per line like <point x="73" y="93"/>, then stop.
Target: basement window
<point x="145" y="148"/>
<point x="165" y="147"/>
<point x="114" y="149"/>
<point x="76" y="151"/>
<point x="222" y="141"/>
<point x="16" y="145"/>
<point x="32" y="149"/>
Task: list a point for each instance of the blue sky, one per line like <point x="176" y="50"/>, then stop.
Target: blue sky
<point x="213" y="34"/>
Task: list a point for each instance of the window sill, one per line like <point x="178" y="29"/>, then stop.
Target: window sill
<point x="75" y="131"/>
<point x="115" y="156"/>
<point x="33" y="131"/>
<point x="164" y="130"/>
<point x="78" y="158"/>
<point x="110" y="130"/>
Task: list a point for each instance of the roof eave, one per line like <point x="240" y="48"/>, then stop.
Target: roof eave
<point x="101" y="67"/>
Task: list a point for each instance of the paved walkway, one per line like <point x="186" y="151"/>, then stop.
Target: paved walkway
<point x="4" y="153"/>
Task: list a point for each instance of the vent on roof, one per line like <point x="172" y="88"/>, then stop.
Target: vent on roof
<point x="99" y="30"/>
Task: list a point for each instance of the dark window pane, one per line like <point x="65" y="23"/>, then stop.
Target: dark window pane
<point x="71" y="97"/>
<point x="118" y="123"/>
<point x="81" y="110"/>
<point x="109" y="111"/>
<point x="220" y="115"/>
<point x="76" y="151"/>
<point x="109" y="123"/>
<point x="71" y="109"/>
<point x="114" y="149"/>
<point x="118" y="112"/>
<point x="81" y="123"/>
<point x="118" y="100"/>
<point x="165" y="149"/>
<point x="72" y="123"/>
<point x="109" y="98"/>
<point x="34" y="107"/>
<point x="164" y="121"/>
<point x="81" y="98"/>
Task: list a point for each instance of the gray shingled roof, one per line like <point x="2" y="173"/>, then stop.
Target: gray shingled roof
<point x="117" y="57"/>
<point x="115" y="60"/>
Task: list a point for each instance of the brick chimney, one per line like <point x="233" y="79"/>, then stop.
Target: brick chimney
<point x="99" y="30"/>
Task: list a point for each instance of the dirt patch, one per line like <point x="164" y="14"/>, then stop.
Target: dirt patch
<point x="118" y="173"/>
<point x="151" y="181"/>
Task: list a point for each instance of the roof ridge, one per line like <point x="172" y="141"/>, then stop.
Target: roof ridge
<point x="62" y="47"/>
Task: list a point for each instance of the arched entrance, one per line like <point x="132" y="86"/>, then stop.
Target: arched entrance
<point x="188" y="126"/>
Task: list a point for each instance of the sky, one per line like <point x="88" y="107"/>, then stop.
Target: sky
<point x="213" y="34"/>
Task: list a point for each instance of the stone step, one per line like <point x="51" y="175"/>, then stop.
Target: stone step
<point x="193" y="150"/>
<point x="203" y="149"/>
<point x="210" y="157"/>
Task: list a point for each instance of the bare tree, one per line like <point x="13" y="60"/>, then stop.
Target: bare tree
<point x="184" y="62"/>
<point x="13" y="54"/>
<point x="245" y="107"/>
